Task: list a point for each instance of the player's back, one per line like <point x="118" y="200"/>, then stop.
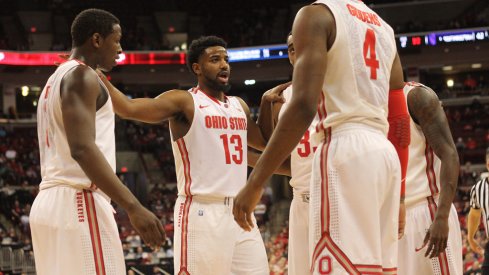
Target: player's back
<point x="359" y="63"/>
<point x="57" y="165"/>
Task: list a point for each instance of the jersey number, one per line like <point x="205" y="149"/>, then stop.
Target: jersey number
<point x="235" y="140"/>
<point x="304" y="148"/>
<point x="369" y="53"/>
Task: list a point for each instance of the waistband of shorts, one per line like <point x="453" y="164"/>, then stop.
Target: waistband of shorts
<point x="421" y="201"/>
<point x="210" y="199"/>
<point x="304" y="196"/>
<point x="347" y="128"/>
<point x="51" y="184"/>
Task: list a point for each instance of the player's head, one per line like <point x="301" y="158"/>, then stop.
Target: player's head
<point x="99" y="32"/>
<point x="208" y="59"/>
<point x="291" y="49"/>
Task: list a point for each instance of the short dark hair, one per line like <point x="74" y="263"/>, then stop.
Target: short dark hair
<point x="198" y="46"/>
<point x="91" y="21"/>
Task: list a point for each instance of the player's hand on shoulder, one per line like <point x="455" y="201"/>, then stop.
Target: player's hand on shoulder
<point x="148" y="226"/>
<point x="275" y="94"/>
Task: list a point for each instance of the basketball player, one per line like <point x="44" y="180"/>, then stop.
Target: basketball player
<point x="210" y="134"/>
<point x="479" y="205"/>
<point x="72" y="220"/>
<point x="346" y="60"/>
<point x="300" y="165"/>
<point x="431" y="183"/>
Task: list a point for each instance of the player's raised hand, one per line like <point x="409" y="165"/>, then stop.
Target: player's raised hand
<point x="148" y="226"/>
<point x="436" y="238"/>
<point x="244" y="205"/>
<point x="275" y="94"/>
<point x="402" y="220"/>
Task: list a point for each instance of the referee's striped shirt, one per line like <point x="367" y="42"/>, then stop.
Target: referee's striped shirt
<point x="479" y="198"/>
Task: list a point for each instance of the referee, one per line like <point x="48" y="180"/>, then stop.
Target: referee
<point x="479" y="203"/>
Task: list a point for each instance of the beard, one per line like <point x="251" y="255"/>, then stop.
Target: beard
<point x="215" y="84"/>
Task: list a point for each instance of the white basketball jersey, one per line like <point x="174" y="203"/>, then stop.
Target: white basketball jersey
<point x="302" y="156"/>
<point x="356" y="85"/>
<point x="57" y="165"/>
<point x="423" y="172"/>
<point x="211" y="159"/>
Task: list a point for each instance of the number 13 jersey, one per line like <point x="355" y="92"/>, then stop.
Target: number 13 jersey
<point x="359" y="62"/>
<point x="211" y="159"/>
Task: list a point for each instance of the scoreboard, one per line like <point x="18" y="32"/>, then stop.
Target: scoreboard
<point x="430" y="39"/>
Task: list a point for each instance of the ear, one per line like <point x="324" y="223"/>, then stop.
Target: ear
<point x="96" y="40"/>
<point x="196" y="68"/>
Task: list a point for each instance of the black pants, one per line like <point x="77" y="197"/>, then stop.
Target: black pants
<point x="485" y="264"/>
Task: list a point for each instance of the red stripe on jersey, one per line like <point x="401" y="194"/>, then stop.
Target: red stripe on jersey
<point x="430" y="171"/>
<point x="321" y="113"/>
<point x="47" y="138"/>
<point x="47" y="92"/>
<point x="97" y="249"/>
<point x="186" y="165"/>
<point x="184" y="238"/>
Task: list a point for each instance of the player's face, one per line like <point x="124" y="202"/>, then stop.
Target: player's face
<point x="487" y="162"/>
<point x="215" y="69"/>
<point x="291" y="50"/>
<point x="110" y="48"/>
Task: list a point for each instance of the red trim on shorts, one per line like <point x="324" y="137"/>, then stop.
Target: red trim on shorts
<point x="326" y="241"/>
<point x="430" y="171"/>
<point x="184" y="238"/>
<point x="186" y="165"/>
<point x="98" y="255"/>
<point x="369" y="269"/>
<point x="389" y="271"/>
<point x="442" y="258"/>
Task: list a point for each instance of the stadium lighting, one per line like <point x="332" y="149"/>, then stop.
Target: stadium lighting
<point x="25" y="90"/>
<point x="250" y="82"/>
<point x="447" y="68"/>
<point x="450" y="83"/>
<point x="476" y="66"/>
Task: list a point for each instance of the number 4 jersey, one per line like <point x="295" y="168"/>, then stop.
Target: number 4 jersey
<point x="359" y="63"/>
<point x="302" y="155"/>
<point x="211" y="159"/>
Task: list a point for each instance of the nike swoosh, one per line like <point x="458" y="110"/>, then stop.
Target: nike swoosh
<point x="203" y="106"/>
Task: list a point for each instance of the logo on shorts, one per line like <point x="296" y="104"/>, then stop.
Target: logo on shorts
<point x="79" y="206"/>
<point x="180" y="213"/>
<point x="201" y="212"/>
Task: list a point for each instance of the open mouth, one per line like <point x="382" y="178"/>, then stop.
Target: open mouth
<point x="223" y="76"/>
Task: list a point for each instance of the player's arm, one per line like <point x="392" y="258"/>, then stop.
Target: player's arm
<point x="474" y="219"/>
<point x="425" y="108"/>
<point x="270" y="105"/>
<point x="79" y="92"/>
<point x="255" y="137"/>
<point x="312" y="30"/>
<point x="284" y="168"/>
<point x="151" y="110"/>
<point x="399" y="131"/>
